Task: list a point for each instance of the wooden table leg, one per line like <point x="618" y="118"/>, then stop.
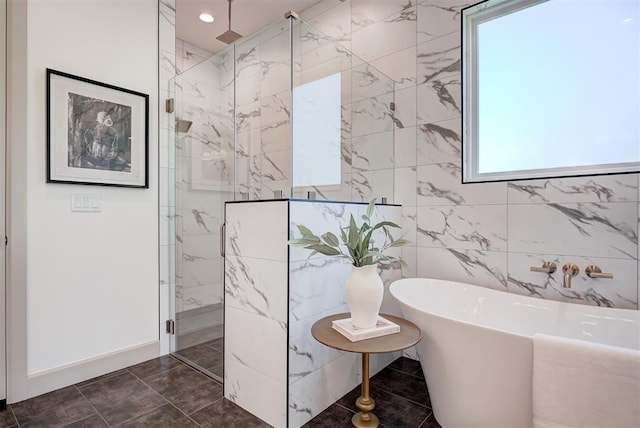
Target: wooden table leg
<point x="364" y="418"/>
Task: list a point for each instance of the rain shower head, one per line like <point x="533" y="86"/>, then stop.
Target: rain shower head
<point x="183" y="126"/>
<point x="229" y="36"/>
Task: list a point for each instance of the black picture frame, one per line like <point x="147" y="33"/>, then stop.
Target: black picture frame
<point x="97" y="133"/>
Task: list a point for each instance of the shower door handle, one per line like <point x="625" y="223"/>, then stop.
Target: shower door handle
<point x="223" y="231"/>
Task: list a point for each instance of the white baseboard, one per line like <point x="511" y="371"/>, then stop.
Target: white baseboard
<point x="50" y="380"/>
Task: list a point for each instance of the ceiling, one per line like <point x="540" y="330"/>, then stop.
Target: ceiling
<point x="247" y="16"/>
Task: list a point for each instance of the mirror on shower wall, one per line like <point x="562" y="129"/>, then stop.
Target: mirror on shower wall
<point x="550" y="88"/>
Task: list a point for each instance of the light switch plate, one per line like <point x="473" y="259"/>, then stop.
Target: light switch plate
<point x="86" y="202"/>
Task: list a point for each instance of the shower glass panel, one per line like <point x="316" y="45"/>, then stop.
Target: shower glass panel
<point x="286" y="111"/>
<point x="204" y="180"/>
<point x="263" y="118"/>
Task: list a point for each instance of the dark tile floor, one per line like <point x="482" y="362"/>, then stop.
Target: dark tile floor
<point x="165" y="392"/>
<point x="207" y="356"/>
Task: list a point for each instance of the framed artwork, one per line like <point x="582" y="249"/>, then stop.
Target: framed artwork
<point x="96" y="133"/>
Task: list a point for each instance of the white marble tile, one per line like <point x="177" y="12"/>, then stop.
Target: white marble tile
<point x="439" y="17"/>
<point x="409" y="256"/>
<point x="204" y="295"/>
<point x="335" y="22"/>
<point x="367" y="82"/>
<point x="485" y="268"/>
<point x="439" y="100"/>
<point x="404" y="184"/>
<point x="255" y="392"/>
<point x="367" y="185"/>
<point x="371" y="115"/>
<point x="306" y="354"/>
<point x="372" y="152"/>
<point x="405" y="147"/>
<point x="439" y="58"/>
<point x="366" y="12"/>
<point x="257" y="286"/>
<point x="197" y="221"/>
<point x="609" y="188"/>
<point x="275" y="108"/>
<point x="400" y="66"/>
<point x="439" y="142"/>
<point x="312" y="394"/>
<point x="587" y="229"/>
<point x="619" y="292"/>
<point x="393" y="34"/>
<point x="167" y="63"/>
<point x="276" y="166"/>
<point x="405" y="113"/>
<point x="319" y="8"/>
<point x="440" y="184"/>
<point x="276" y="137"/>
<point x="165" y="277"/>
<point x="201" y="272"/>
<point x="200" y="247"/>
<point x="248" y="116"/>
<point x="312" y="293"/>
<point x="246" y="221"/>
<point x="478" y="227"/>
<point x="245" y="337"/>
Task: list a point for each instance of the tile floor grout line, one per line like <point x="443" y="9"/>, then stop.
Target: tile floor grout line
<point x="205" y="406"/>
<point x="403" y="398"/>
<point x="425" y="420"/>
<point x="170" y="402"/>
<point x="15" y="418"/>
<point x="143" y="413"/>
<point x="92" y="406"/>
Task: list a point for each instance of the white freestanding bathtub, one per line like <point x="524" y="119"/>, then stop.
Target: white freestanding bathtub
<point x="477" y="349"/>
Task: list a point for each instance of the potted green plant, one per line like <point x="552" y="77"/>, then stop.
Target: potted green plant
<point x="358" y="244"/>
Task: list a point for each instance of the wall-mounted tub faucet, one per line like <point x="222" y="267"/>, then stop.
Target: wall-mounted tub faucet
<point x="547" y="267"/>
<point x="594" y="271"/>
<point x="569" y="270"/>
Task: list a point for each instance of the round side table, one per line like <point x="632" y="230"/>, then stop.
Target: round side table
<point x="408" y="336"/>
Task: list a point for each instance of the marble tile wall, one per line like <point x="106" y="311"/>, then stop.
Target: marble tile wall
<point x="485" y="234"/>
<point x="316" y="290"/>
<point x="273" y="295"/>
<point x="256" y="266"/>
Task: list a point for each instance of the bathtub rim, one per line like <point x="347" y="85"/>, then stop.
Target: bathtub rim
<point x="501" y="330"/>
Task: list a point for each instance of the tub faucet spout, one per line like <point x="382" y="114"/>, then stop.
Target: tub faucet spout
<point x="569" y="270"/>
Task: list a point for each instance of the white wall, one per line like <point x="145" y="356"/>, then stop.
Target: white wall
<point x="91" y="281"/>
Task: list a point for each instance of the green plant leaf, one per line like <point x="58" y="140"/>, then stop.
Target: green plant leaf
<point x="386" y="224"/>
<point x="324" y="249"/>
<point x="301" y="242"/>
<point x="331" y="239"/>
<point x="343" y="236"/>
<point x="370" y="208"/>
<point x="305" y="231"/>
<point x="353" y="233"/>
<point x="399" y="243"/>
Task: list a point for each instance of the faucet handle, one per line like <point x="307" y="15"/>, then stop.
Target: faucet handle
<point x="547" y="267"/>
<point x="571" y="269"/>
<point x="594" y="271"/>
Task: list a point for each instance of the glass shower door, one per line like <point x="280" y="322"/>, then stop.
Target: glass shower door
<point x="204" y="175"/>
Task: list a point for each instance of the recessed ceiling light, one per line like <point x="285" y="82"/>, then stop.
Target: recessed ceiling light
<point x="205" y="17"/>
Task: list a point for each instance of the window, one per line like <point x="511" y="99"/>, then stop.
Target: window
<point x="550" y="88"/>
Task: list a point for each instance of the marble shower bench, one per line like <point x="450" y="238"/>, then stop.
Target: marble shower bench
<point x="273" y="367"/>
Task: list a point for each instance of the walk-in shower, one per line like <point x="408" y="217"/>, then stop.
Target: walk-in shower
<point x="286" y="112"/>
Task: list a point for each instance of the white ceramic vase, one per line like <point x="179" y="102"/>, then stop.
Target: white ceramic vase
<point x="364" y="295"/>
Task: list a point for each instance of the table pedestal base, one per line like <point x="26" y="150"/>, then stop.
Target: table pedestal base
<point x="365" y="420"/>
